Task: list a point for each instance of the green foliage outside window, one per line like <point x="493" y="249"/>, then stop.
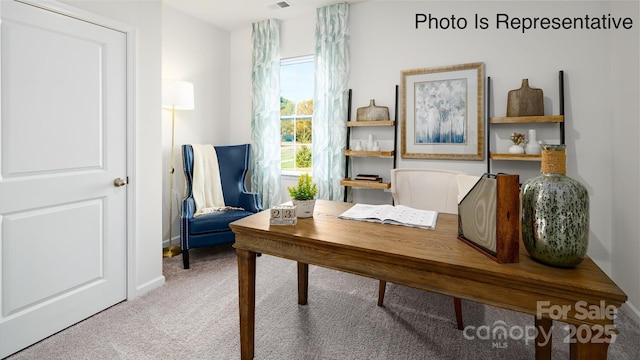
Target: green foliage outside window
<point x="303" y="131"/>
<point x="303" y="157"/>
<point x="287" y="107"/>
<point x="296" y="130"/>
<point x="305" y="107"/>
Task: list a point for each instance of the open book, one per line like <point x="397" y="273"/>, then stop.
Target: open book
<point x="389" y="214"/>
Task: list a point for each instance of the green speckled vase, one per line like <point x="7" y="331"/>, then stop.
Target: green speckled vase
<point x="555" y="213"/>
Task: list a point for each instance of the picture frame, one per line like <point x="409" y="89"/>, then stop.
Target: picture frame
<point x="443" y="113"/>
<point x="488" y="217"/>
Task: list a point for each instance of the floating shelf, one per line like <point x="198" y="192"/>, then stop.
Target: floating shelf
<point x="365" y="184"/>
<point x="527" y="119"/>
<point x="518" y="157"/>
<point x="371" y="123"/>
<point x="368" y="153"/>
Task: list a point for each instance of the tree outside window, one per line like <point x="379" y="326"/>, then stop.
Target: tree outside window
<point x="296" y="113"/>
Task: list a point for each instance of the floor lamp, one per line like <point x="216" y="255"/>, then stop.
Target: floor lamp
<point x="176" y="95"/>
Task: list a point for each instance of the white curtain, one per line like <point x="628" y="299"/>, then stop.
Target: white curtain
<point x="330" y="99"/>
<point x="265" y="116"/>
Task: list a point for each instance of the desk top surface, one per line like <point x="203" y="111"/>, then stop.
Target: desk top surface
<point x="438" y="249"/>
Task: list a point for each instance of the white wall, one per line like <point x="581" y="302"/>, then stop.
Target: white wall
<point x="625" y="174"/>
<point x="198" y="52"/>
<point x="240" y="87"/>
<point x="601" y="72"/>
<point x="145" y="16"/>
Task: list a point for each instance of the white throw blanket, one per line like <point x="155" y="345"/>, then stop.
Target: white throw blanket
<point x="207" y="188"/>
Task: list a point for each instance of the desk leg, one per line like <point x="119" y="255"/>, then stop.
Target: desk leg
<point x="543" y="350"/>
<point x="247" y="301"/>
<point x="382" y="287"/>
<point x="588" y="350"/>
<point x="303" y="283"/>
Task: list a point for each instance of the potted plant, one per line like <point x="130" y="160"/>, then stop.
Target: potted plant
<point x="518" y="143"/>
<point x="303" y="196"/>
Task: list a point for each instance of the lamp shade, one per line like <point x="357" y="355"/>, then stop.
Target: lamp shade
<point x="177" y="93"/>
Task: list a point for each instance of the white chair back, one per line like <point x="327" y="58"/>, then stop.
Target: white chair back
<point x="427" y="189"/>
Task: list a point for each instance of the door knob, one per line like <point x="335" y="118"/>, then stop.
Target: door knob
<point x="118" y="182"/>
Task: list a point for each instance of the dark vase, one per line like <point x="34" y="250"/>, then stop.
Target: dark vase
<point x="555" y="213"/>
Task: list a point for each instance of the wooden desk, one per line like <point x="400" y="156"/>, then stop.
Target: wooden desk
<point x="433" y="260"/>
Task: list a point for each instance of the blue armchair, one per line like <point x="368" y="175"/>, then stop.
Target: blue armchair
<point x="213" y="228"/>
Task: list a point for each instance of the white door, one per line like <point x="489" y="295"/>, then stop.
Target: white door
<point x="62" y="145"/>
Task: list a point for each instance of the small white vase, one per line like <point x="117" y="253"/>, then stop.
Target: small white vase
<point x="304" y="208"/>
<point x="516" y="149"/>
<point x="532" y="146"/>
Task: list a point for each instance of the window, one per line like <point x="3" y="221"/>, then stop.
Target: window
<point x="296" y="113"/>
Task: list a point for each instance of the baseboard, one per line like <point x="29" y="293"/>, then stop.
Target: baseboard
<point x="148" y="286"/>
<point x="174" y="241"/>
<point x="631" y="311"/>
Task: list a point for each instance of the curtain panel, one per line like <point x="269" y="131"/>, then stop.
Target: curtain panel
<point x="265" y="115"/>
<point x="330" y="99"/>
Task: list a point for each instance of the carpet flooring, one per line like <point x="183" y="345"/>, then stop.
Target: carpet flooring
<point x="195" y="316"/>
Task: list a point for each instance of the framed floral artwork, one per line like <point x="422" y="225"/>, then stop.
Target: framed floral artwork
<point x="442" y="114"/>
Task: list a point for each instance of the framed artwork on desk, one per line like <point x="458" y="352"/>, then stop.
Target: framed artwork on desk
<point x="442" y="115"/>
<point x="488" y="216"/>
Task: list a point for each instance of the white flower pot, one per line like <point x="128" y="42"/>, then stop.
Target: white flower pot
<point x="516" y="149"/>
<point x="304" y="208"/>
